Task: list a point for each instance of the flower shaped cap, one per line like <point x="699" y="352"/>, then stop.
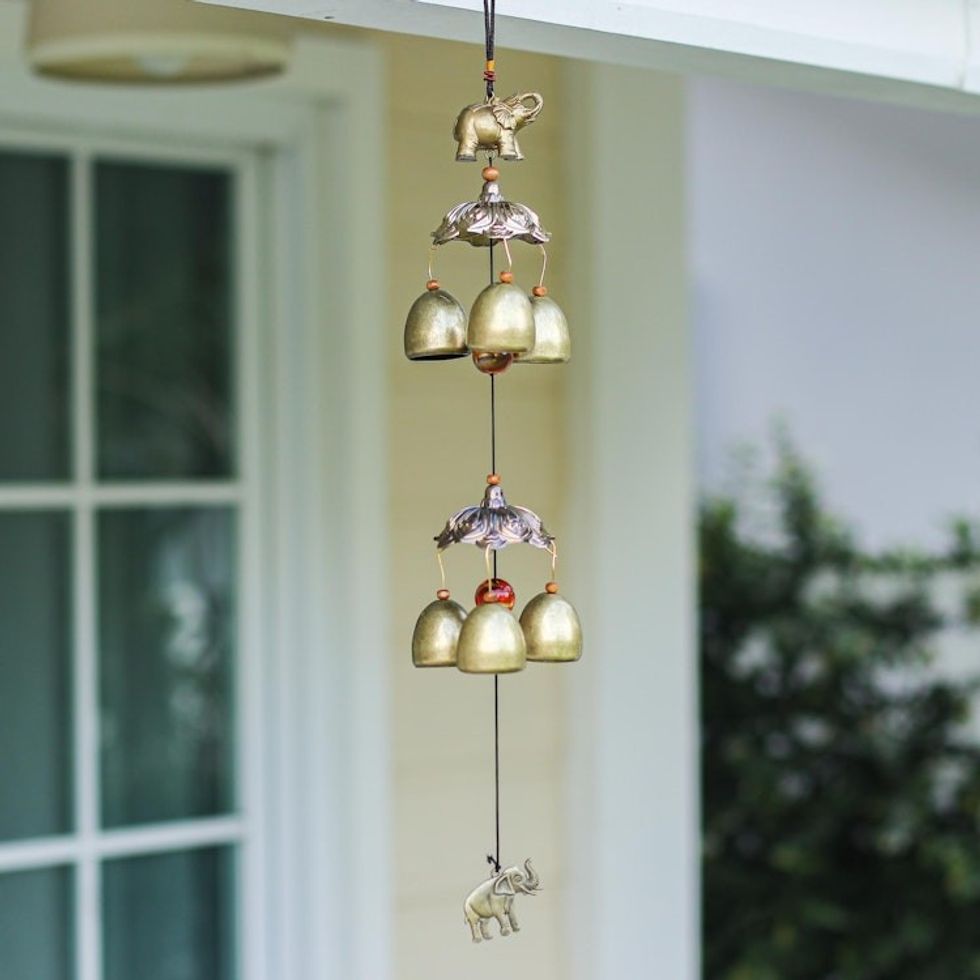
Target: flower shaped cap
<point x="495" y="524"/>
<point x="490" y="219"/>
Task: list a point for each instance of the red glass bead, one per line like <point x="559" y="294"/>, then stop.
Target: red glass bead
<point x="497" y="590"/>
<point x="491" y="363"/>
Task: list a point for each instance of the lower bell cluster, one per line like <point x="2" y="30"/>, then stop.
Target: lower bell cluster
<point x="490" y="639"/>
<point x="505" y="326"/>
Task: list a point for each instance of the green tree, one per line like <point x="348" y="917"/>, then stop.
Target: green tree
<point x="841" y="787"/>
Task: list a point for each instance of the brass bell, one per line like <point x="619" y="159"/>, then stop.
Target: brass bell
<point x="501" y="321"/>
<point x="552" y="629"/>
<point x="437" y="633"/>
<point x="490" y="642"/>
<point x="435" y="329"/>
<point x="552" y="343"/>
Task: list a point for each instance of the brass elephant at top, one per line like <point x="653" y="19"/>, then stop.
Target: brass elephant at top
<point x="492" y="125"/>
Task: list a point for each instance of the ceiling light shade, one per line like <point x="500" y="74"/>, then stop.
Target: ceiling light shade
<point x="153" y="41"/>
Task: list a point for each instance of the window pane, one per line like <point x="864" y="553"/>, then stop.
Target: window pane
<point x="34" y="314"/>
<point x="170" y="916"/>
<point x="35" y="925"/>
<point x="35" y="675"/>
<point x="166" y="598"/>
<point x="164" y="311"/>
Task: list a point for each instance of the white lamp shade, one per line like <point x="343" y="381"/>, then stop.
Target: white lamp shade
<point x="153" y="41"/>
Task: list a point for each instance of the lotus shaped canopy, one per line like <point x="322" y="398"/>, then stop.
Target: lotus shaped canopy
<point x="490" y="219"/>
<point x="495" y="524"/>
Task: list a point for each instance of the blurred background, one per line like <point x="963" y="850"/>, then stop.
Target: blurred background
<point x="220" y="479"/>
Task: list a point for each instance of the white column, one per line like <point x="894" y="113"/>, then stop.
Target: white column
<point x="633" y="775"/>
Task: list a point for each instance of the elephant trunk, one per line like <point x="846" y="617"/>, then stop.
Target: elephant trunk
<point x="536" y="105"/>
<point x="533" y="882"/>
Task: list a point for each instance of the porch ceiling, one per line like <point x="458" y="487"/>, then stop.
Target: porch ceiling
<point x="894" y="50"/>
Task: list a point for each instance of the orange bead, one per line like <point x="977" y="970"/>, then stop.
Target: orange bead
<point x="432" y="285"/>
<point x="494" y="479"/>
<point x="551" y="588"/>
<point x="540" y="291"/>
<point x="491" y="363"/>
<point x="490" y="173"/>
<point x="442" y="594"/>
<point x="506" y="276"/>
<point x="498" y="590"/>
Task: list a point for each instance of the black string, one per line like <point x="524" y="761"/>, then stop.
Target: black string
<point x="494" y="859"/>
<point x="496" y="762"/>
<point x="489" y="31"/>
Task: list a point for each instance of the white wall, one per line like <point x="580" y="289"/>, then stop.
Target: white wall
<point x="835" y="257"/>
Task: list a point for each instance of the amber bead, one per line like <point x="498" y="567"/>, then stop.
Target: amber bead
<point x="540" y="291"/>
<point x="432" y="285"/>
<point x="506" y="276"/>
<point x="442" y="594"/>
<point x="490" y="363"/>
<point x="490" y="173"/>
<point x="494" y="479"/>
<point x="551" y="588"/>
<point x="496" y="590"/>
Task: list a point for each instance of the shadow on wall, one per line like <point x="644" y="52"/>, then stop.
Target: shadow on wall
<point x="841" y="781"/>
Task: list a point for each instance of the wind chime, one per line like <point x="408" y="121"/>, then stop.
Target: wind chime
<point x="505" y="327"/>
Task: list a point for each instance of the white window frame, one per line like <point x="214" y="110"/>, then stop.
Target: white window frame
<point x="315" y="887"/>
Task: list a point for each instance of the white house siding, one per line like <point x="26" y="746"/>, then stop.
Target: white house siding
<point x="834" y="249"/>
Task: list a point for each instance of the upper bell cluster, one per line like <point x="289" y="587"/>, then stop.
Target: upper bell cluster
<point x="505" y="325"/>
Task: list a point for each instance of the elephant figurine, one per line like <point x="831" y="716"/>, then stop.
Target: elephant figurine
<point x="492" y="125"/>
<point x="494" y="899"/>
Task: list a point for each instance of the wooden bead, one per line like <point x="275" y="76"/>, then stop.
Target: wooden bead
<point x="540" y="291"/>
<point x="490" y="173"/>
<point x="551" y="588"/>
<point x="442" y="594"/>
<point x="506" y="276"/>
<point x="432" y="285"/>
<point x="494" y="479"/>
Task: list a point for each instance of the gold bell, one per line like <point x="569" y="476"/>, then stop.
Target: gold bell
<point x="552" y="343"/>
<point x="437" y="633"/>
<point x="435" y="329"/>
<point x="552" y="629"/>
<point x="490" y="642"/>
<point x="501" y="321"/>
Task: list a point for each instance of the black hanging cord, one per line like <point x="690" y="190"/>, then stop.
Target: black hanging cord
<point x="490" y="31"/>
<point x="496" y="764"/>
<point x="494" y="859"/>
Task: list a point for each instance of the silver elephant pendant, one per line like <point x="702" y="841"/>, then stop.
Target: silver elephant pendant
<point x="494" y="899"/>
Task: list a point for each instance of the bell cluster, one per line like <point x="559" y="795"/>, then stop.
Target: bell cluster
<point x="505" y="325"/>
<point x="490" y="639"/>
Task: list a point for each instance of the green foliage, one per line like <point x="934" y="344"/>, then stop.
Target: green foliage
<point x="841" y="789"/>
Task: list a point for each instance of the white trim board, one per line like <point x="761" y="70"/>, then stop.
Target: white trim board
<point x="633" y="762"/>
<point x="894" y="50"/>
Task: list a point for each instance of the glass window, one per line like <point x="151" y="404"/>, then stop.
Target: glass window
<point x="166" y="632"/>
<point x="34" y="314"/>
<point x="35" y="925"/>
<point x="35" y="674"/>
<point x="163" y="321"/>
<point x="168" y="916"/>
